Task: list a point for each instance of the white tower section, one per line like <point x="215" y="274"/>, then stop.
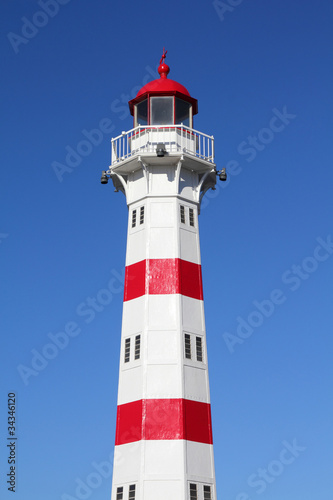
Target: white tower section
<point x="164" y="447"/>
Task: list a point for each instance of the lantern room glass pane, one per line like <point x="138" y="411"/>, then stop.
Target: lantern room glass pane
<point x="182" y="112"/>
<point x="142" y="113"/>
<point x="161" y="110"/>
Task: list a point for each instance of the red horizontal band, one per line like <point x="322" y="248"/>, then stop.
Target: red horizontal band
<point x="163" y="276"/>
<point x="164" y="419"/>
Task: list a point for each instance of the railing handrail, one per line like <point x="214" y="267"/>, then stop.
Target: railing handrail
<point x="144" y="127"/>
<point x="191" y="141"/>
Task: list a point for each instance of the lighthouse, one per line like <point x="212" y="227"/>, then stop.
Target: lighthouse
<point x="164" y="166"/>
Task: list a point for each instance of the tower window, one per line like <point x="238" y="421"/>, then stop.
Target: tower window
<point x="161" y="109"/>
<point x="191" y="217"/>
<point x="120" y="491"/>
<point x="134" y="218"/>
<point x="142" y="215"/>
<point x="193" y="491"/>
<point x="198" y="343"/>
<point x="207" y="493"/>
<point x="187" y="346"/>
<point x="137" y="347"/>
<point x="142" y="113"/>
<point x="182" y="112"/>
<point x="131" y="492"/>
<point x="127" y="350"/>
<point x="182" y="214"/>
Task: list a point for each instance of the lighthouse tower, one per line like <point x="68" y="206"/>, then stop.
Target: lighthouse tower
<point x="163" y="447"/>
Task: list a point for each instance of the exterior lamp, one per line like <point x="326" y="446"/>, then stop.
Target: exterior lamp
<point x="160" y="149"/>
<point x="222" y="174"/>
<point x="104" y="178"/>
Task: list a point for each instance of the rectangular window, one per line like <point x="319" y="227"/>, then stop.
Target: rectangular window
<point x="187" y="346"/>
<point x="191" y="217"/>
<point x="182" y="214"/>
<point x="182" y="112"/>
<point x="137" y="347"/>
<point x="134" y="218"/>
<point x="127" y="350"/>
<point x="131" y="492"/>
<point x="161" y="111"/>
<point x="198" y="343"/>
<point x="207" y="493"/>
<point x="193" y="491"/>
<point x="142" y="113"/>
<point x="120" y="493"/>
<point x="142" y="215"/>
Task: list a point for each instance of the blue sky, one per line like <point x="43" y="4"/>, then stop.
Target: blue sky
<point x="266" y="234"/>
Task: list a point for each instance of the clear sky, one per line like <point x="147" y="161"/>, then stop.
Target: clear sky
<point x="262" y="74"/>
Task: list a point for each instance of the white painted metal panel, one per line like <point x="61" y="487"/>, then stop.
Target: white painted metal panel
<point x="130" y="385"/>
<point x="136" y="247"/>
<point x="164" y="382"/>
<point x="196" y="384"/>
<point x="200" y="464"/>
<point x="174" y="139"/>
<point x="189" y="246"/>
<point x="126" y="465"/>
<point x="163" y="490"/>
<point x="162" y="178"/>
<point x="137" y="184"/>
<point x="163" y="346"/>
<point x="193" y="316"/>
<point x="162" y="214"/>
<point x="164" y="459"/>
<point x="133" y="316"/>
<point x="163" y="312"/>
<point x="162" y="243"/>
<point x="186" y="183"/>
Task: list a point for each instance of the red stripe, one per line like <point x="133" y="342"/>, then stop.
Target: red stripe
<point x="135" y="280"/>
<point x="191" y="279"/>
<point x="163" y="276"/>
<point x="164" y="419"/>
<point x="198" y="422"/>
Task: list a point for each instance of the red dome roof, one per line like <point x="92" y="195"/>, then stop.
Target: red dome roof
<point x="164" y="86"/>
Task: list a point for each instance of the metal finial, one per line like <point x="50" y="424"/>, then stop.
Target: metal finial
<point x="163" y="55"/>
<point x="163" y="68"/>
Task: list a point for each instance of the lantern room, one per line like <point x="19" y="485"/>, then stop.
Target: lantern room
<point x="163" y="112"/>
<point x="163" y="102"/>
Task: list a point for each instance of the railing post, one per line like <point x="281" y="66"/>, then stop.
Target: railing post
<point x="182" y="137"/>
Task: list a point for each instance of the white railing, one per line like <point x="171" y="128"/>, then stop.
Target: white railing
<point x="176" y="138"/>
